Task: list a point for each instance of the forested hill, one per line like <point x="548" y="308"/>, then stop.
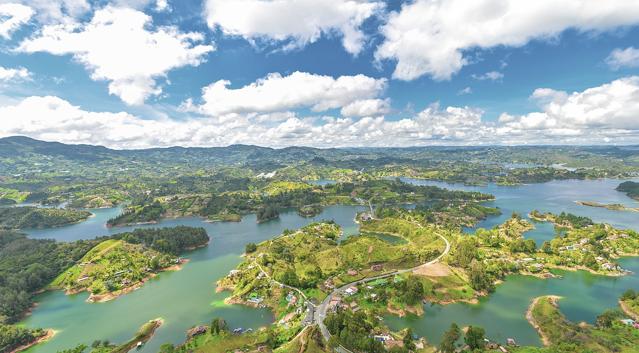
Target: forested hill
<point x="19" y="148"/>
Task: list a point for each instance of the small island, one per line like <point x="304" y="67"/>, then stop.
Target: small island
<point x="612" y="207"/>
<point x="120" y="265"/>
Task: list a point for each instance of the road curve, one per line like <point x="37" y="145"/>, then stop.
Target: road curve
<point x="320" y="313"/>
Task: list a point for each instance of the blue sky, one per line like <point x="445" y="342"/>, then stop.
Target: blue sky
<point x="323" y="73"/>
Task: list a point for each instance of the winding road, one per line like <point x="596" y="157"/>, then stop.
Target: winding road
<point x="320" y="312"/>
<point x="317" y="313"/>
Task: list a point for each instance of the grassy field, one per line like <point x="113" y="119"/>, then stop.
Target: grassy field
<point x="111" y="266"/>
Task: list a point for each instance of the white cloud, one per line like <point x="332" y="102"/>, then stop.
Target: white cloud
<point x="366" y="107"/>
<point x="11" y="74"/>
<point x="162" y="5"/>
<point x="298" y="90"/>
<point x="59" y="11"/>
<point x="596" y="115"/>
<point x="429" y="37"/>
<point x="491" y="75"/>
<point x="12" y="17"/>
<point x="120" y="46"/>
<point x="607" y="111"/>
<point x="297" y="22"/>
<point x="622" y="58"/>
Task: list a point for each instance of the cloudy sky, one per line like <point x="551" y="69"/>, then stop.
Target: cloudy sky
<point x="322" y="73"/>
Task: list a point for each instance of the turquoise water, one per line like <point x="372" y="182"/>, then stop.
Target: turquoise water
<point x="184" y="298"/>
<point x="187" y="297"/>
<point x="585" y="295"/>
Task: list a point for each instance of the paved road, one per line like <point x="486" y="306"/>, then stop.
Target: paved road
<point x="320" y="313"/>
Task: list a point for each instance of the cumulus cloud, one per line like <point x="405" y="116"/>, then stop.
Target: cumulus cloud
<point x="12" y="17"/>
<point x="296" y="22"/>
<point x="607" y="111"/>
<point x="491" y="75"/>
<point x="425" y="37"/>
<point x="366" y="107"/>
<point x="596" y="115"/>
<point x="623" y="58"/>
<point x="47" y="11"/>
<point x="11" y="74"/>
<point x="121" y="46"/>
<point x="298" y="90"/>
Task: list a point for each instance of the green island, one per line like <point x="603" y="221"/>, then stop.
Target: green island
<point x="613" y="206"/>
<point x="267" y="201"/>
<point x="120" y="265"/>
<point x="34" y="217"/>
<point x="630" y="188"/>
<point x="107" y="267"/>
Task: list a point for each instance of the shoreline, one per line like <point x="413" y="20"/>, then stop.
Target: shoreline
<point x="628" y="311"/>
<point x="529" y="316"/>
<point x="49" y="334"/>
<point x="102" y="298"/>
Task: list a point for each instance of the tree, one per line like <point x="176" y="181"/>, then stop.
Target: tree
<point x="250" y="248"/>
<point x="271" y="339"/>
<point x="546" y="248"/>
<point x="590" y="261"/>
<point x="479" y="279"/>
<point x="408" y="340"/>
<point x="465" y="252"/>
<point x="475" y="337"/>
<point x="167" y="348"/>
<point x="606" y="319"/>
<point x="450" y="338"/>
<point x="630" y="294"/>
<point x="218" y="325"/>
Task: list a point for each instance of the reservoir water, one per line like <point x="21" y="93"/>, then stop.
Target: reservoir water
<point x="183" y="299"/>
<point x="186" y="298"/>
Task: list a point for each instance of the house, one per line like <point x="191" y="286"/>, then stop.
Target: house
<point x="350" y="291"/>
<point x="351" y="272"/>
<point x="628" y="322"/>
<point x="609" y="266"/>
<point x="511" y="342"/>
<point x="382" y="338"/>
<point x="198" y="330"/>
<point x="377" y="267"/>
<point x="366" y="217"/>
<point x="354" y="307"/>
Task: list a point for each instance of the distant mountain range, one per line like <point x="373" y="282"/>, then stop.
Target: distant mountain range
<point x="18" y="148"/>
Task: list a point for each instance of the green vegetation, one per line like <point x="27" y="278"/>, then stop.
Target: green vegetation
<point x="33" y="217"/>
<point x="629" y="302"/>
<point x="353" y="331"/>
<point x="29" y="265"/>
<point x="564" y="220"/>
<point x="267" y="213"/>
<point x="312" y="260"/>
<point x="12" y="337"/>
<point x="117" y="265"/>
<point x="613" y="206"/>
<point x="560" y="335"/>
<point x="631" y="188"/>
